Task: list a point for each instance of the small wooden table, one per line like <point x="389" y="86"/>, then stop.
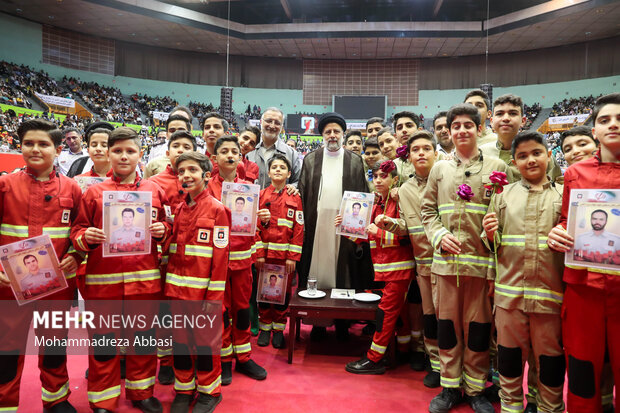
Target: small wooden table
<point x="324" y="308"/>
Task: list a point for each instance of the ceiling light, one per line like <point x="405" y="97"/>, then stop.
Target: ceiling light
<point x="50" y="17"/>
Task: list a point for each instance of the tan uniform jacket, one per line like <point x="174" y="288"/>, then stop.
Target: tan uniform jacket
<point x="405" y="170"/>
<point x="443" y="209"/>
<point x="410" y="199"/>
<point x="529" y="275"/>
<point x="494" y="150"/>
<point x="155" y="167"/>
<point x="487" y="136"/>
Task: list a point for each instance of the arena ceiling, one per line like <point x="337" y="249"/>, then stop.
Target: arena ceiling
<point x="332" y="29"/>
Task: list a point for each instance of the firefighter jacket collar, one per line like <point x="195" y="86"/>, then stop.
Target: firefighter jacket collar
<point x="528" y="186"/>
<point x="471" y="161"/>
<point x="33" y="174"/>
<point x="117" y="180"/>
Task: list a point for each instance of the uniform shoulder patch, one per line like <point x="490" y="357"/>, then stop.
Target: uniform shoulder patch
<point x="220" y="237"/>
<point x="299" y="217"/>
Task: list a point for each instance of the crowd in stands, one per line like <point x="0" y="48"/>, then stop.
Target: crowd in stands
<point x="553" y="142"/>
<point x="531" y="112"/>
<point x="30" y="81"/>
<point x="305" y="147"/>
<point x="148" y="104"/>
<point x="252" y="112"/>
<point x="12" y="96"/>
<point x="199" y="109"/>
<point x="574" y="106"/>
<point x="107" y="102"/>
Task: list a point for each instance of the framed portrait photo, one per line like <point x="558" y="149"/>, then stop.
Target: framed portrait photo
<point x="127" y="216"/>
<point x="32" y="268"/>
<point x="242" y="199"/>
<point x="272" y="283"/>
<point x="356" y="210"/>
<point x="594" y="223"/>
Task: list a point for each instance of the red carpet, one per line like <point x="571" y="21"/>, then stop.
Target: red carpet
<point x="315" y="382"/>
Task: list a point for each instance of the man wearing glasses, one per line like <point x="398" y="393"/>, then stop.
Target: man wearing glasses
<point x="271" y="124"/>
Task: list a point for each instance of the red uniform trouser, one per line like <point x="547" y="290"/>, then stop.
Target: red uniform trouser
<point x="196" y="365"/>
<point x="390" y="307"/>
<point x="104" y="369"/>
<point x="590" y="322"/>
<point x="14" y="327"/>
<point x="164" y="353"/>
<point x="521" y="335"/>
<point x="236" y="334"/>
<point x="430" y="320"/>
<point x="464" y="332"/>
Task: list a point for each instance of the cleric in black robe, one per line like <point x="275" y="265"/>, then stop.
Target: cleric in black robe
<point x="326" y="173"/>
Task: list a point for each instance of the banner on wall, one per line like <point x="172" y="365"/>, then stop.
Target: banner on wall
<point x="56" y="100"/>
<point x="254" y="122"/>
<point x="162" y="116"/>
<point x="356" y="125"/>
<point x="562" y="120"/>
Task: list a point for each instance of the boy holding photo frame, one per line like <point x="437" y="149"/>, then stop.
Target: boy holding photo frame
<point x="134" y="277"/>
<point x="587" y="334"/>
<point x="236" y="335"/>
<point x="37" y="201"/>
<point x="282" y="236"/>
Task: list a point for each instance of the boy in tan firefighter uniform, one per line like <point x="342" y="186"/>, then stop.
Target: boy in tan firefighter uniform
<point x="454" y="203"/>
<point x="528" y="281"/>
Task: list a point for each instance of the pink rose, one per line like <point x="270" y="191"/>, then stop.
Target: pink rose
<point x="499" y="178"/>
<point x="465" y="192"/>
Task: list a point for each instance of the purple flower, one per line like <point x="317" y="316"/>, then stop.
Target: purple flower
<point x="465" y="192"/>
<point x="402" y="152"/>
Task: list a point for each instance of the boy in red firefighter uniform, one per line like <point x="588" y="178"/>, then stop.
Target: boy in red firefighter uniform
<point x="179" y="142"/>
<point x="392" y="258"/>
<point x="197" y="271"/>
<point x="591" y="308"/>
<point x="453" y="224"/>
<point x="422" y="154"/>
<point x="282" y="236"/>
<point x="248" y="139"/>
<point x="528" y="281"/>
<point x="36" y="201"/>
<point x="236" y="335"/>
<point x="126" y="278"/>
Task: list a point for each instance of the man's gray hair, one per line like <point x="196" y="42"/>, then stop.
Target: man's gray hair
<point x="272" y="109"/>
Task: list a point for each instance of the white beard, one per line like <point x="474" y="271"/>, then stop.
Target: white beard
<point x="333" y="146"/>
